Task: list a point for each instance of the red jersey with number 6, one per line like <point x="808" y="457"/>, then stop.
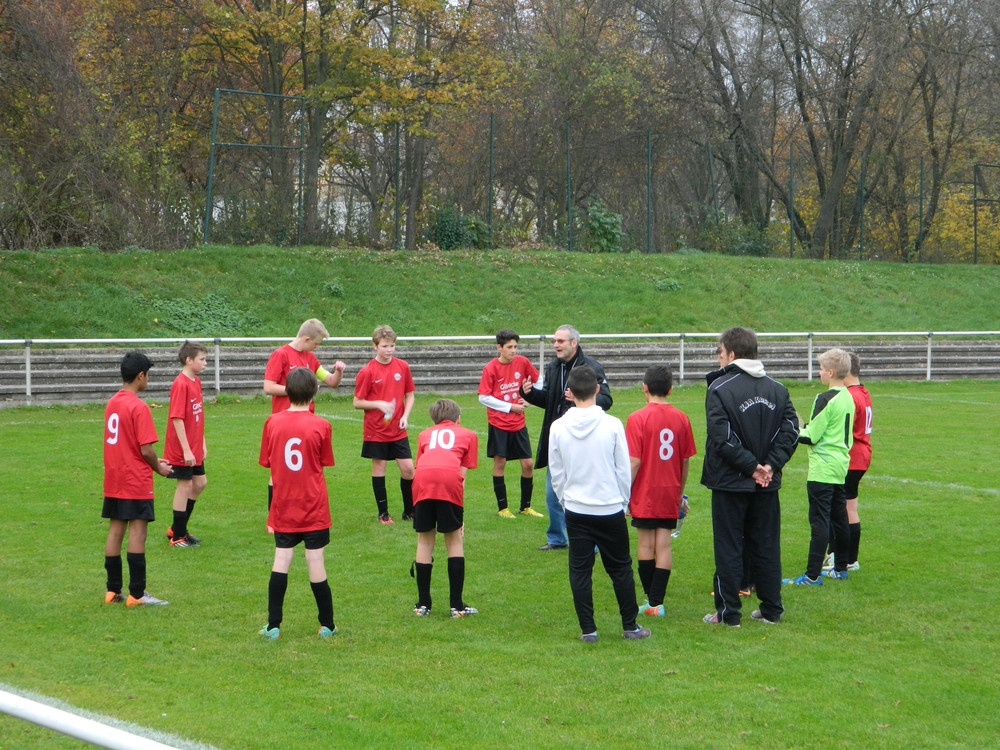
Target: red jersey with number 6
<point x="128" y="425"/>
<point x="295" y="446"/>
<point x="442" y="451"/>
<point x="660" y="436"/>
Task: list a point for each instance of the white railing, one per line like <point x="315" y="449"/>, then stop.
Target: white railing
<point x="684" y="343"/>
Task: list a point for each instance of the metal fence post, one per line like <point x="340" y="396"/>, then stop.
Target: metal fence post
<point x="682" y="357"/>
<point x="27" y="371"/>
<point x="809" y="336"/>
<point x="218" y="366"/>
<point x="930" y="336"/>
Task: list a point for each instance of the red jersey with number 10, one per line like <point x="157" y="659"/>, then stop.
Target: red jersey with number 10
<point x="503" y="382"/>
<point x="128" y="425"/>
<point x="442" y="451"/>
<point x="660" y="436"/>
<point x="295" y="446"/>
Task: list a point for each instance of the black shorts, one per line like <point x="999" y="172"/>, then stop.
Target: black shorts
<point x="183" y="471"/>
<point x="654" y="523"/>
<point x="386" y="451"/>
<point x="511" y="445"/>
<point x="447" y="517"/>
<point x="313" y="539"/>
<point x="852" y="482"/>
<point x="128" y="510"/>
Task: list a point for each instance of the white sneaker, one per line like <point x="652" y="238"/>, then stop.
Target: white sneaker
<point x="828" y="562"/>
<point x="854" y="566"/>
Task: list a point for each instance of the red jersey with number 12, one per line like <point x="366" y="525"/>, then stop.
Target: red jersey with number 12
<point x="660" y="436"/>
<point x="503" y="382"/>
<point x="442" y="450"/>
<point x="128" y="425"/>
<point x="295" y="446"/>
<point x="861" y="450"/>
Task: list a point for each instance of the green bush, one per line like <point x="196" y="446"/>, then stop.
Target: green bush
<point x="450" y="230"/>
<point x="603" y="228"/>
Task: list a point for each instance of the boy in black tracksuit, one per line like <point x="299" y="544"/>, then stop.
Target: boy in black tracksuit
<point x="752" y="433"/>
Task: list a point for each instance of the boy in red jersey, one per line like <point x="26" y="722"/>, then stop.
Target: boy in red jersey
<point x="660" y="443"/>
<point x="445" y="452"/>
<point x="129" y="463"/>
<point x="185" y="447"/>
<point x="297" y="353"/>
<point x="295" y="446"/>
<point x="384" y="389"/>
<point x="861" y="459"/>
<point x="500" y="393"/>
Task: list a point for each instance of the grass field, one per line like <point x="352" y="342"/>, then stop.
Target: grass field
<point x="904" y="654"/>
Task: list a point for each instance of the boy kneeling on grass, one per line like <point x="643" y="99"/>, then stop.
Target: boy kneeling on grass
<point x="445" y="452"/>
<point x="295" y="446"/>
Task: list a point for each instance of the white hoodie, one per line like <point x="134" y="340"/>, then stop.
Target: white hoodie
<point x="588" y="462"/>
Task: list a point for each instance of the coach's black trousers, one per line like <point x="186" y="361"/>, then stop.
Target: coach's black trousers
<point x="747" y="520"/>
<point x="610" y="535"/>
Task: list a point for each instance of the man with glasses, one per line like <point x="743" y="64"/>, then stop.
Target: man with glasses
<point x="553" y="395"/>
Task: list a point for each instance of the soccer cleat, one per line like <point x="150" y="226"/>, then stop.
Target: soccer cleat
<point x="531" y="512"/>
<point x="325" y="632"/>
<point x="170" y="535"/>
<point x="854" y="566"/>
<point x="804" y="580"/>
<point x="756" y="615"/>
<point x="839" y="575"/>
<point x="712" y="618"/>
<point x="505" y="513"/>
<point x="589" y="637"/>
<point x="656" y="611"/>
<point x="464" y="611"/>
<point x="146" y="598"/>
<point x="185" y="541"/>
<point x="384" y="519"/>
<point x="746" y="592"/>
<point x="113" y="597"/>
<point x="828" y="562"/>
<point x="407" y="516"/>
<point x="269" y="633"/>
<point x="637" y="634"/>
<point x="420" y="610"/>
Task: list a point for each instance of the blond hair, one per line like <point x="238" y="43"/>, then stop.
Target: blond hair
<point x="837" y="360"/>
<point x="313" y="329"/>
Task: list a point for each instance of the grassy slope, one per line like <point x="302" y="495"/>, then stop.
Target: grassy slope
<point x="267" y="292"/>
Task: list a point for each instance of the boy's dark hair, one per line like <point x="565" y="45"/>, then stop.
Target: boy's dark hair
<point x="444" y="409"/>
<point x="855" y="364"/>
<point x="505" y="335"/>
<point x="659" y="380"/>
<point x="301" y="386"/>
<point x="190" y="350"/>
<point x="133" y="364"/>
<point x="583" y="382"/>
<point x="740" y="341"/>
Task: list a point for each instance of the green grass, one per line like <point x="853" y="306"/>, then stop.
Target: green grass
<point x="904" y="654"/>
<point x="265" y="291"/>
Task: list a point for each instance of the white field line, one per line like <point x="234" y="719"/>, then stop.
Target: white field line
<point x="95" y="729"/>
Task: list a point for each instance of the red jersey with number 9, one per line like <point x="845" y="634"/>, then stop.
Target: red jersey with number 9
<point x="128" y="425"/>
<point x="295" y="446"/>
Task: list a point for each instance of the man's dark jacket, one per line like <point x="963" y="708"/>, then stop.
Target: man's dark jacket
<point x="750" y="420"/>
<point x="553" y="400"/>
